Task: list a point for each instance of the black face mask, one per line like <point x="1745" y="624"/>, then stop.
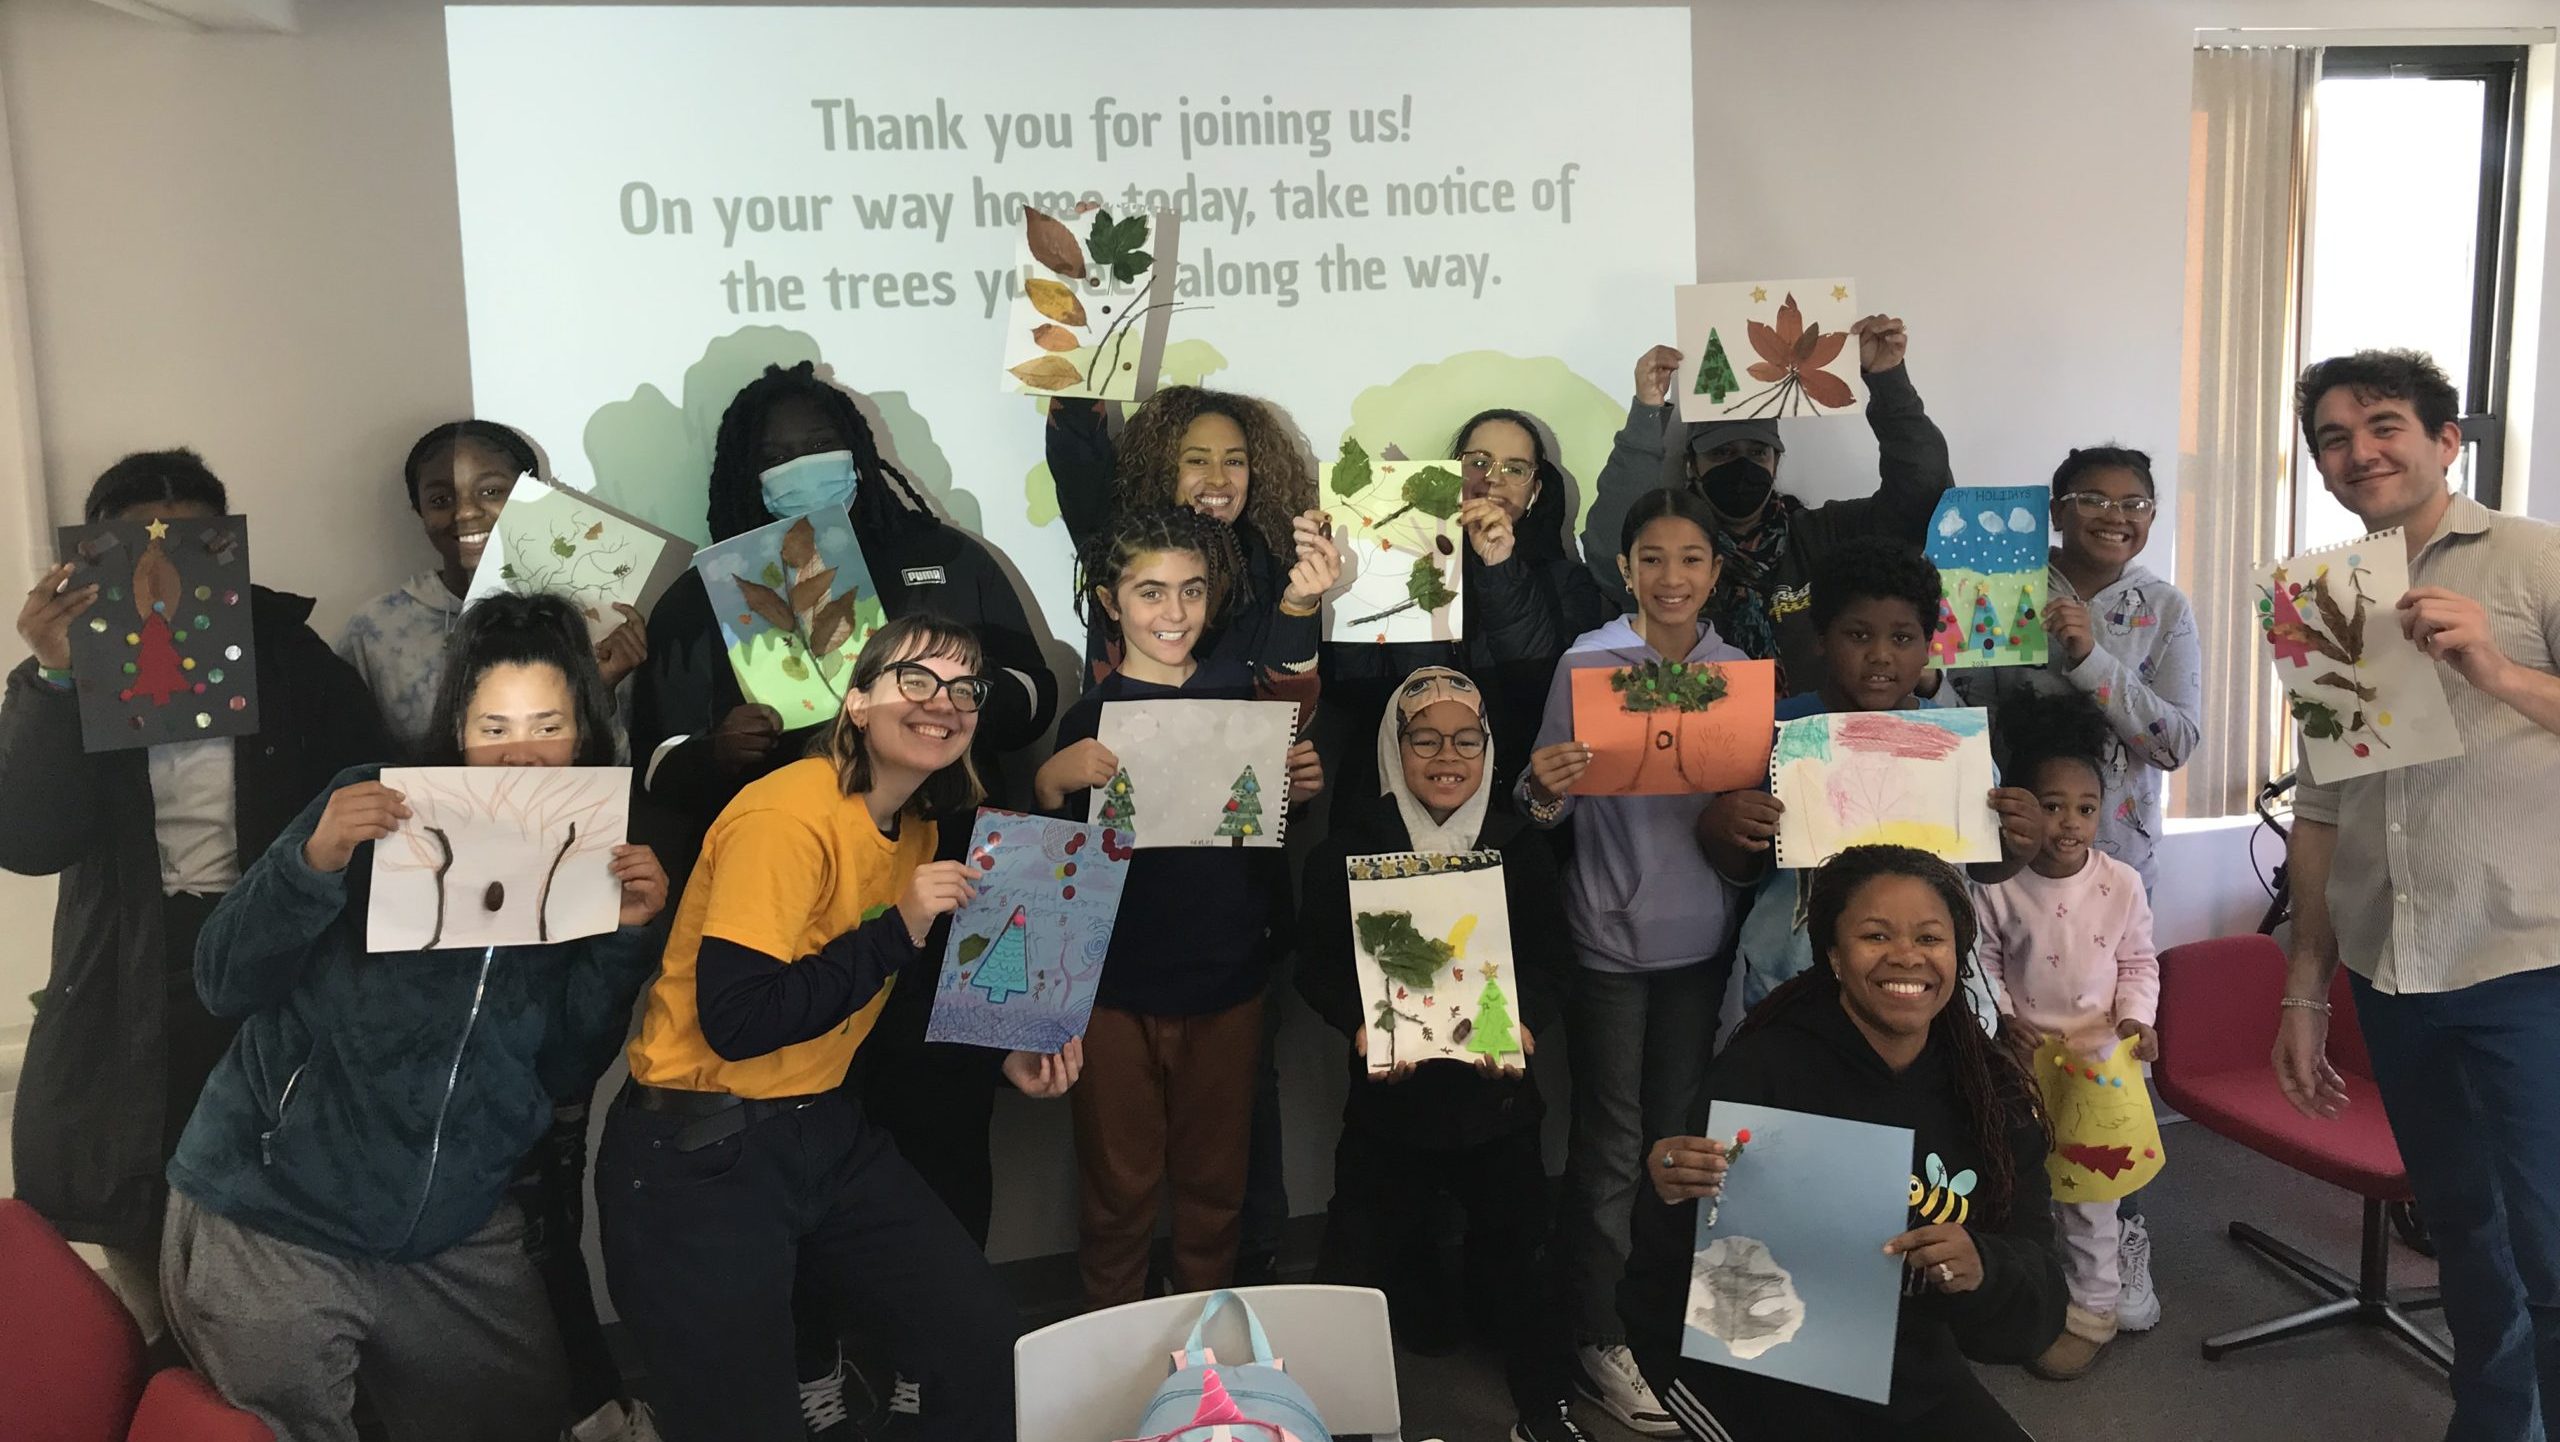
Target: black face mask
<point x="1738" y="488"/>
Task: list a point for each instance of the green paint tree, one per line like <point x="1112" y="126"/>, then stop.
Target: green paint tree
<point x="1492" y="1036"/>
<point x="1243" y="815"/>
<point x="1716" y="379"/>
<point x="1006" y="972"/>
<point x="1120" y="803"/>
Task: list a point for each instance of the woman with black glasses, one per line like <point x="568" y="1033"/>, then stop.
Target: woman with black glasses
<point x="735" y="1164"/>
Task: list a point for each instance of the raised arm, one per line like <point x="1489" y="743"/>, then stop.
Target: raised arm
<point x="1912" y="466"/>
<point x="1635" y="465"/>
<point x="1084" y="465"/>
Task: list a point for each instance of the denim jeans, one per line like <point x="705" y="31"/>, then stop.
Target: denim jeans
<point x="2466" y="1080"/>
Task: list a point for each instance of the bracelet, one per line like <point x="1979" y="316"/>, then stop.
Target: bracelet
<point x="2306" y="1004"/>
<point x="1543" y="812"/>
<point x="59" y="680"/>
<point x="1290" y="608"/>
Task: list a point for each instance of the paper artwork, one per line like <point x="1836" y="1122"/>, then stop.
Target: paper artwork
<point x="1024" y="955"/>
<point x="1403" y="551"/>
<point x="166" y="653"/>
<point x="2364" y="697"/>
<point x="1901" y="778"/>
<point x="1790" y="1279"/>
<point x="1198" y="773"/>
<point x="1768" y="349"/>
<point x="1431" y="937"/>
<point x="1668" y="727"/>
<point x="1092" y="299"/>
<point x="498" y="856"/>
<point x="2106" y="1138"/>
<point x="795" y="603"/>
<point x="1988" y="543"/>
<point x="552" y="538"/>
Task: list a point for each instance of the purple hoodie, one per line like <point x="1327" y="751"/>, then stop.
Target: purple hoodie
<point x="1684" y="912"/>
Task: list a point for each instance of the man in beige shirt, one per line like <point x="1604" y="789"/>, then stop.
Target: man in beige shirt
<point x="2434" y="884"/>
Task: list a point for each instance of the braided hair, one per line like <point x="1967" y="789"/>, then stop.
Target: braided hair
<point x="737" y="489"/>
<point x="1991" y="1086"/>
<point x="1136" y="531"/>
<point x="1282" y="473"/>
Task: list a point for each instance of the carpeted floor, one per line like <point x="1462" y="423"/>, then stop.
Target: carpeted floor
<point x="2343" y="1385"/>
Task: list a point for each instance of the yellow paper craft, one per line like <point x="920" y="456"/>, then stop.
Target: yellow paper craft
<point x="2106" y="1141"/>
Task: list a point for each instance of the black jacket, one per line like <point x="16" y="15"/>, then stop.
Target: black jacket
<point x="1443" y="1104"/>
<point x="92" y="1128"/>
<point x="1912" y="465"/>
<point x="1812" y="1058"/>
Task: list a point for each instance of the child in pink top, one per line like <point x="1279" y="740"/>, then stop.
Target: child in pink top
<point x="2069" y="938"/>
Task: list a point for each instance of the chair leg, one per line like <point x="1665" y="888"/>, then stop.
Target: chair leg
<point x="2364" y="1298"/>
<point x="2293" y="1259"/>
<point x="2295" y="1324"/>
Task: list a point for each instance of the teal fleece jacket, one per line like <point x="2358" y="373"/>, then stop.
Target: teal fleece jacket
<point x="375" y="1106"/>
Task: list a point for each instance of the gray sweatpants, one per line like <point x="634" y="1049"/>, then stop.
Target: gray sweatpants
<point x="457" y="1348"/>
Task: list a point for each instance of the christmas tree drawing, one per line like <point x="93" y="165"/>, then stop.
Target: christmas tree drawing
<point x="1119" y="803"/>
<point x="1005" y="972"/>
<point x="1948" y="643"/>
<point x="158" y="671"/>
<point x="1244" y="809"/>
<point x="2026" y="625"/>
<point x="1492" y="1036"/>
<point x="1716" y="379"/>
<point x="1986" y="624"/>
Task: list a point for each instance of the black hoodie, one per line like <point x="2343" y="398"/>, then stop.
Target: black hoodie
<point x="1812" y="1058"/>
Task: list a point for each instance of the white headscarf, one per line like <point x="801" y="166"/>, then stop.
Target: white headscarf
<point x="1421" y="690"/>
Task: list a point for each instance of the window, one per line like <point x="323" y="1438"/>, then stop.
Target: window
<point x="2406" y="246"/>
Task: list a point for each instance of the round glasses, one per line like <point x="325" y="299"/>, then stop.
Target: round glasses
<point x="1480" y="465"/>
<point x="2090" y="503"/>
<point x="918" y="683"/>
<point x="1466" y="745"/>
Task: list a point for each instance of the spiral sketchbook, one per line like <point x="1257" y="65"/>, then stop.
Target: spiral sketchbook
<point x="1197" y="773"/>
<point x="1903" y="778"/>
<point x="1431" y="940"/>
<point x="2364" y="697"/>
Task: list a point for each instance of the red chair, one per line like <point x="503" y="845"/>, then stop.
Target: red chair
<point x="2218" y="1005"/>
<point x="70" y="1355"/>
<point x="181" y="1406"/>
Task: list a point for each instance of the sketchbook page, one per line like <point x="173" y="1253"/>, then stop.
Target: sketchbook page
<point x="1092" y="302"/>
<point x="1768" y="349"/>
<point x="1024" y="956"/>
<point x="1902" y="778"/>
<point x="2364" y="697"/>
<point x="2106" y="1138"/>
<point x="1198" y="773"/>
<point x="1989" y="545"/>
<point x="1404" y="567"/>
<point x="498" y="856"/>
<point x="1431" y="937"/>
<point x="166" y="652"/>
<point x="552" y="538"/>
<point x="1669" y="728"/>
<point x="1790" y="1279"/>
<point x="795" y="602"/>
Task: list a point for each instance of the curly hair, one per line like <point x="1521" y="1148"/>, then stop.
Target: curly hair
<point x="1876" y="568"/>
<point x="1136" y="531"/>
<point x="2377" y="375"/>
<point x="1992" y="1088"/>
<point x="737" y="487"/>
<point x="917" y="636"/>
<point x="1283" y="473"/>
<point x="2031" y="730"/>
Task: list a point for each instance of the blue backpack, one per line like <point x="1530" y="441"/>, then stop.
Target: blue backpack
<point x="1209" y="1401"/>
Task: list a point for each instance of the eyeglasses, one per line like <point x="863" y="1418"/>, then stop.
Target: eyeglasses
<point x="918" y="683"/>
<point x="1480" y="464"/>
<point x="2132" y="508"/>
<point x="1426" y="744"/>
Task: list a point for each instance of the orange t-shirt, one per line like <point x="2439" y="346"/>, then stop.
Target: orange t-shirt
<point x="791" y="865"/>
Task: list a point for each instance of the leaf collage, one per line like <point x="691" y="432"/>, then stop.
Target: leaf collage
<point x="1403" y="565"/>
<point x="1080" y="349"/>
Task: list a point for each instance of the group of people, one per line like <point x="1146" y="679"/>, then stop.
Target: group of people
<point x="354" y="1184"/>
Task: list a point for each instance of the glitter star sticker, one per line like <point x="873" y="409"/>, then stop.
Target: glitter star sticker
<point x="1839" y="292"/>
<point x="157" y="530"/>
<point x="1759" y="294"/>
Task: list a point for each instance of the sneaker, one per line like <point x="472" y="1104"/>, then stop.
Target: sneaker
<point x="1609" y="1377"/>
<point x="2139" y="1308"/>
<point x="904" y="1416"/>
<point x="1556" y="1426"/>
<point x="2084" y="1335"/>
<point x="823" y="1411"/>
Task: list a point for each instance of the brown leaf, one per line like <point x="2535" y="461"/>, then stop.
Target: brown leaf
<point x="596" y="531"/>
<point x="767" y="603"/>
<point x="2346" y="683"/>
<point x="1055" y="301"/>
<point x="2310" y="636"/>
<point x="1048" y="373"/>
<point x="2334" y="619"/>
<point x="810" y="591"/>
<point x="799" y="544"/>
<point x="833" y="625"/>
<point x="1055" y="337"/>
<point x="1770" y="347"/>
<point x="1053" y="245"/>
<point x="1826" y="347"/>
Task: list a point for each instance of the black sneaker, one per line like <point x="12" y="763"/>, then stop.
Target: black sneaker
<point x="903" y="1418"/>
<point x="1556" y="1426"/>
<point x="823" y="1411"/>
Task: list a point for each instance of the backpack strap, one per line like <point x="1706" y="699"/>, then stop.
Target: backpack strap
<point x="1196" y="1355"/>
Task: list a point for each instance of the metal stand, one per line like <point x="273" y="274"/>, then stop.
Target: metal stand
<point x="2364" y="1298"/>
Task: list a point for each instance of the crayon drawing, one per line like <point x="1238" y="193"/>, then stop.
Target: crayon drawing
<point x="1025" y="954"/>
<point x="1092" y="301"/>
<point x="1668" y="727"/>
<point x="498" y="856"/>
<point x="795" y="603"/>
<point x="1403" y="552"/>
<point x="1431" y="937"/>
<point x="1790" y="340"/>
<point x="166" y="653"/>
<point x="2364" y="697"/>
<point x="1905" y="778"/>
<point x="2106" y="1138"/>
<point x="1198" y="773"/>
<point x="550" y="538"/>
<point x="1988" y="543"/>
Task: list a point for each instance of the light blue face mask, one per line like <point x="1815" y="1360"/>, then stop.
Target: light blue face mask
<point x="809" y="484"/>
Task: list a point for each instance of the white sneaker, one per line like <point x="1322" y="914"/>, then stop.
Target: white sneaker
<point x="2138" y="1310"/>
<point x="1608" y="1376"/>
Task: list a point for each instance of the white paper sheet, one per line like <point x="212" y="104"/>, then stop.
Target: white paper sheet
<point x="498" y="856"/>
<point x="1199" y="773"/>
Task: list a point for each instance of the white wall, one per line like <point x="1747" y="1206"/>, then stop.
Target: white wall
<point x="248" y="244"/>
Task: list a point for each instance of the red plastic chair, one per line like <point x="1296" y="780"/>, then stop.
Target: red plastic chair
<point x="181" y="1406"/>
<point x="2218" y="1006"/>
<point x="70" y="1355"/>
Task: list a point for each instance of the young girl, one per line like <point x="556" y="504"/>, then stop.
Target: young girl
<point x="1876" y="1032"/>
<point x="1176" y="1034"/>
<point x="1652" y="929"/>
<point x="736" y="1161"/>
<point x="145" y="843"/>
<point x="339" y="1214"/>
<point x="2070" y="938"/>
<point x="1443" y="1129"/>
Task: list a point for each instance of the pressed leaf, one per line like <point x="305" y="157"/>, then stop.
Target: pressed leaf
<point x="973" y="947"/>
<point x="799" y="544"/>
<point x="1825" y="389"/>
<point x="1765" y="371"/>
<point x="2333" y="618"/>
<point x="810" y="591"/>
<point x="2344" y="682"/>
<point x="1766" y="344"/>
<point x="1048" y="373"/>
<point x="833" y="625"/>
<point x="1403" y="953"/>
<point x="1054" y="338"/>
<point x="1424" y="588"/>
<point x="2310" y="636"/>
<point x="1826" y="348"/>
<point x="768" y="604"/>
<point x="596" y="531"/>
<point x="1055" y="301"/>
<point x="1053" y="245"/>
<point x="1351" y="468"/>
<point x="563" y="547"/>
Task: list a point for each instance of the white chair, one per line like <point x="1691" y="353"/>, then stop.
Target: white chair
<point x="1088" y="1378"/>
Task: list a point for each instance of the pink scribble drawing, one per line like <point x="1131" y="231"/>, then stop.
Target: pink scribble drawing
<point x="1884" y="733"/>
<point x="1865" y="796"/>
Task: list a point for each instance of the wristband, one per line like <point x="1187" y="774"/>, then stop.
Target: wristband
<point x="59" y="680"/>
<point x="2306" y="1004"/>
<point x="1290" y="608"/>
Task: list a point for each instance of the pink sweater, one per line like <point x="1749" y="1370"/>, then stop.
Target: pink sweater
<point x="2074" y="953"/>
